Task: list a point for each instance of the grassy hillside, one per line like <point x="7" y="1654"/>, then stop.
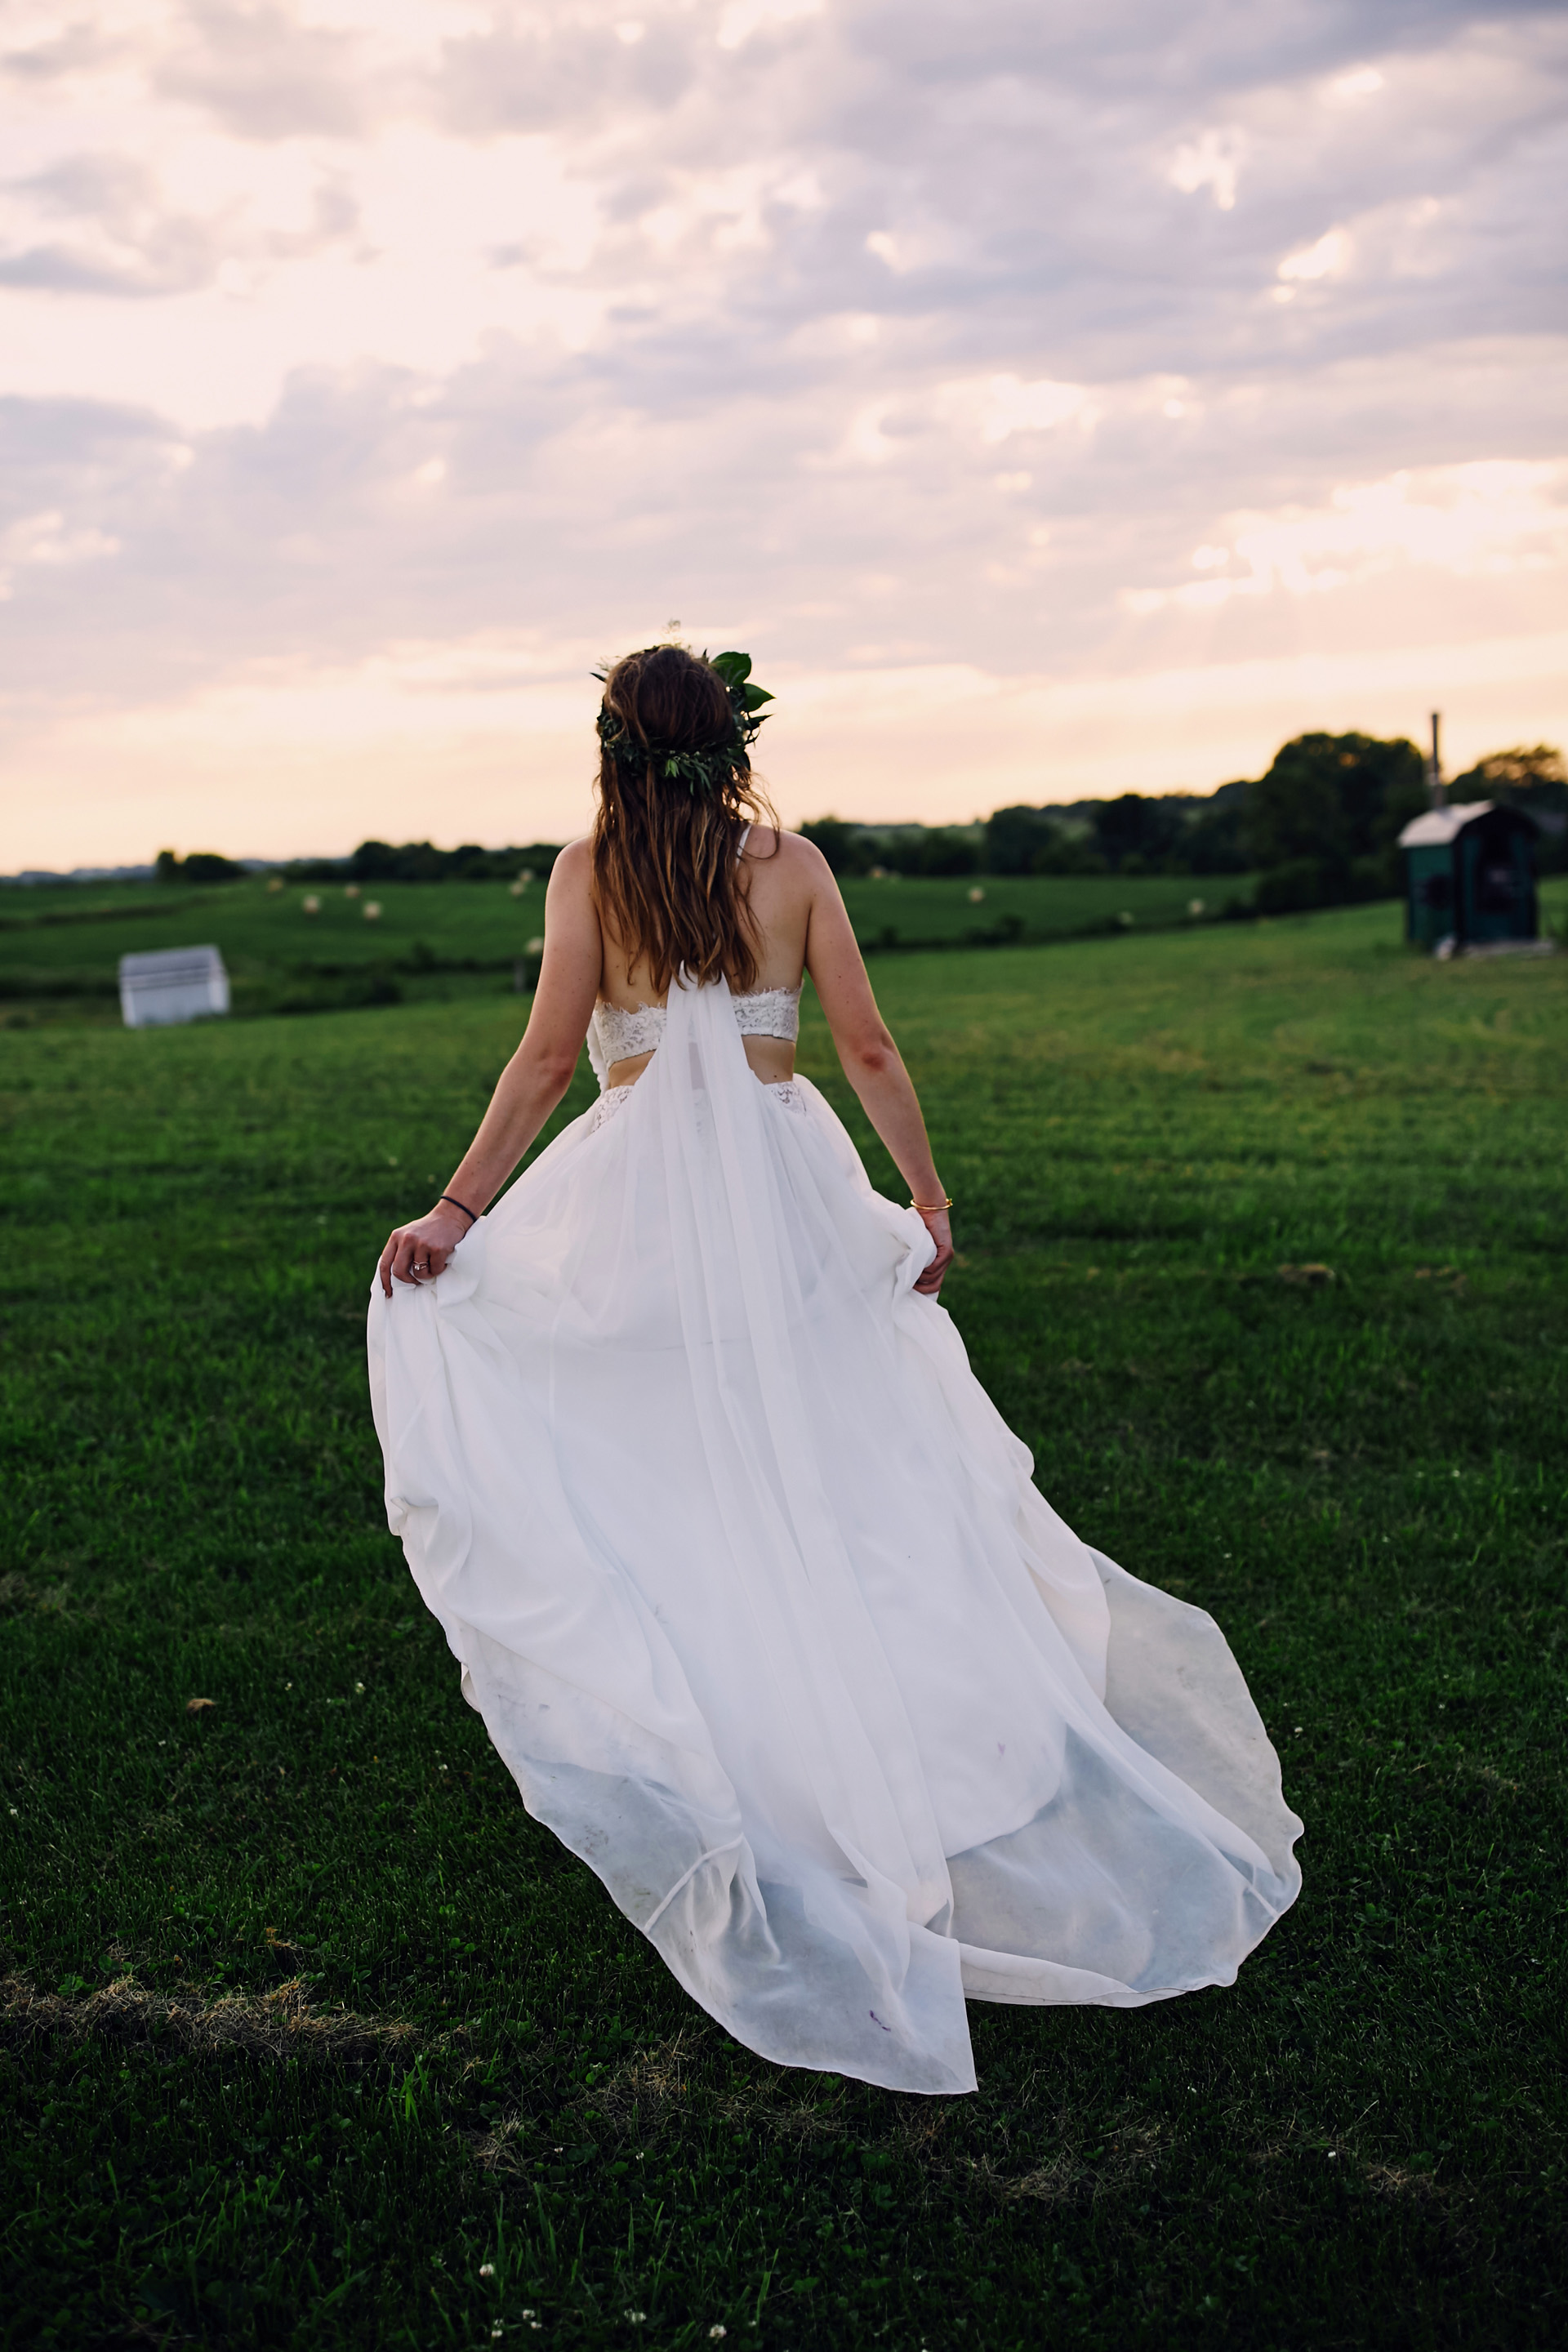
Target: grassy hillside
<point x="311" y="2038"/>
<point x="431" y="942"/>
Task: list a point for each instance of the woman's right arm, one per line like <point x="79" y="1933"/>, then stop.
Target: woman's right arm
<point x="532" y="1082"/>
<point x="872" y="1063"/>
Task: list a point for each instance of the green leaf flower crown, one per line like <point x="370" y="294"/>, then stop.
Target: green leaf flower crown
<point x="703" y="769"/>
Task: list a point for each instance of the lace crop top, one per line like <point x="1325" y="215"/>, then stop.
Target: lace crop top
<point x="615" y="1035"/>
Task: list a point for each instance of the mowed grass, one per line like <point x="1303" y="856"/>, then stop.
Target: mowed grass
<point x="313" y="2040"/>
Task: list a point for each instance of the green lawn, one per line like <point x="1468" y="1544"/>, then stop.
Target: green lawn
<point x="432" y="942"/>
<point x="306" y="2023"/>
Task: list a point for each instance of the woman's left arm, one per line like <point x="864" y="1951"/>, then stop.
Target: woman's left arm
<point x="532" y="1082"/>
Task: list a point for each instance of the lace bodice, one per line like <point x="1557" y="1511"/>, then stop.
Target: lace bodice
<point x="618" y="1034"/>
<point x="769" y="1013"/>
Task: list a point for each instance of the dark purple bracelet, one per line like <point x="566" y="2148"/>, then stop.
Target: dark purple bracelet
<point x="469" y="1213"/>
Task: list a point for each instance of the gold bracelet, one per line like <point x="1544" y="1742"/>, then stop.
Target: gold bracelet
<point x="929" y="1208"/>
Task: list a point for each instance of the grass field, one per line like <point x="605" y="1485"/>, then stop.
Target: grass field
<point x="311" y="2038"/>
<point x="434" y="942"/>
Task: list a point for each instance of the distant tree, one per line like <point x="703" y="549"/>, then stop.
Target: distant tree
<point x="944" y="852"/>
<point x="1015" y="836"/>
<point x="1529" y="773"/>
<point x="201" y="865"/>
<point x="1168" y="833"/>
<point x="1295" y="810"/>
<point x="1137" y="824"/>
<point x="1340" y="800"/>
<point x="839" y="842"/>
<point x="537" y="858"/>
<point x="415" y="861"/>
<point x="374" y="861"/>
<point x="1068" y="853"/>
<point x="1531" y="777"/>
<point x="420" y="861"/>
<point x="1212" y="842"/>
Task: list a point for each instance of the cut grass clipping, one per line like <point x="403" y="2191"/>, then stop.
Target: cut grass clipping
<point x="311" y="2038"/>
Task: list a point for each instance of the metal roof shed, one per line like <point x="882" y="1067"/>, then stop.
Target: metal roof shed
<point x="171" y="984"/>
<point x="1470" y="875"/>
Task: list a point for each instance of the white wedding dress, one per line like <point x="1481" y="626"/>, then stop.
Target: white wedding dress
<point x="751" y="1585"/>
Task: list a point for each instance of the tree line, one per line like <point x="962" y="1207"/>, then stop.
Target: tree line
<point x="1319" y="827"/>
<point x="374" y="861"/>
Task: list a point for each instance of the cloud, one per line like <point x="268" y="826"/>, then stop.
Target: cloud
<point x="1213" y="161"/>
<point x="102" y="223"/>
<point x="118" y="239"/>
<point x="48" y="538"/>
<point x="923" y="340"/>
<point x="1327" y="257"/>
<point x="263" y="74"/>
<point x="1491" y="518"/>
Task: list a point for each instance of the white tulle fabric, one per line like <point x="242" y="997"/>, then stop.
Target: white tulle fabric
<point x="752" y="1587"/>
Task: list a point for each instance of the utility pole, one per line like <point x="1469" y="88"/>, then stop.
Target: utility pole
<point x="1439" y="798"/>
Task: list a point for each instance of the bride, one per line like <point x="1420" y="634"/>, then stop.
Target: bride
<point x="743" y="1569"/>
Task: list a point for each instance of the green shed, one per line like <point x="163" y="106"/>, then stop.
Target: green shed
<point x="1469" y="877"/>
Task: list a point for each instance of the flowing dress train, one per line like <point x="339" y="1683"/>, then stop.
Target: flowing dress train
<point x="750" y="1584"/>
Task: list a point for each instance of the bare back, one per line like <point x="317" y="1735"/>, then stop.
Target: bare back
<point x="781" y="877"/>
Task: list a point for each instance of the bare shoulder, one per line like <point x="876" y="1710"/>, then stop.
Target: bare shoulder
<point x="572" y="875"/>
<point x="794" y="861"/>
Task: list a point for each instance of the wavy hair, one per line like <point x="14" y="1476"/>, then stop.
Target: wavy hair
<point x="666" y="879"/>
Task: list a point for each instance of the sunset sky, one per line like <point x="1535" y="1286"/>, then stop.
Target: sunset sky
<point x="1063" y="398"/>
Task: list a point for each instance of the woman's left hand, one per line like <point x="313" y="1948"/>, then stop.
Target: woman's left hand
<point x="939" y="1225"/>
<point x="418" y="1253"/>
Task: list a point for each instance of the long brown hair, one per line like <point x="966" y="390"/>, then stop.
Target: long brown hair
<point x="666" y="879"/>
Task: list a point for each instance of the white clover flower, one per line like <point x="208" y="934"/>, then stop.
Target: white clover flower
<point x="359" y="1687"/>
<point x="715" y="2331"/>
<point x="487" y="2270"/>
<point x="636" y="2317"/>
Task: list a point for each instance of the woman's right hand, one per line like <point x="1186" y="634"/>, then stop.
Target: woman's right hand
<point x="939" y="1225"/>
<point x="419" y="1252"/>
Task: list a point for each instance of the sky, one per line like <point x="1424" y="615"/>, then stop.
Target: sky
<point x="1053" y="400"/>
